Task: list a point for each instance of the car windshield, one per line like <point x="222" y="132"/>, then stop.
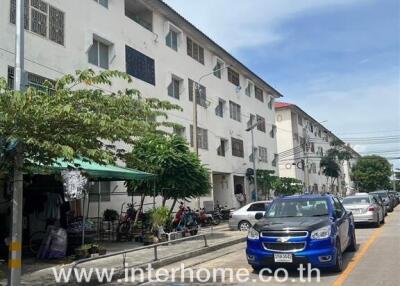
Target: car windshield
<point x="298" y="208"/>
<point x="356" y="200"/>
<point x="381" y="194"/>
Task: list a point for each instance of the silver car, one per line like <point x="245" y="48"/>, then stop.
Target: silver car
<point x="365" y="209"/>
<point x="243" y="218"/>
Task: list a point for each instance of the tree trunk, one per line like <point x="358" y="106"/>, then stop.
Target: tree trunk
<point x="164" y="201"/>
<point x="143" y="196"/>
<point x="172" y="207"/>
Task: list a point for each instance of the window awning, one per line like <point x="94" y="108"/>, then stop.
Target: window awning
<point x="102" y="172"/>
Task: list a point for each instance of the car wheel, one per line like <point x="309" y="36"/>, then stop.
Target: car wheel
<point x="244" y="226"/>
<point x="256" y="268"/>
<point x="377" y="223"/>
<point x="353" y="243"/>
<point x="339" y="258"/>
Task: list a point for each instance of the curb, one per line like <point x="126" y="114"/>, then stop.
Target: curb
<point x="120" y="273"/>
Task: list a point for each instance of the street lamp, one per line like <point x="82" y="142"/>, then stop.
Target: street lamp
<point x="196" y="89"/>
<point x="251" y="128"/>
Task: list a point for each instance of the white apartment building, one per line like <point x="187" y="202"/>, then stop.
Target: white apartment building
<point x="164" y="54"/>
<point x="302" y="141"/>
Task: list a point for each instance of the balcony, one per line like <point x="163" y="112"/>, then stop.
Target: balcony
<point x="138" y="12"/>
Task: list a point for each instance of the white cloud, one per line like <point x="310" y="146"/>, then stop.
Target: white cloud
<point x="239" y="24"/>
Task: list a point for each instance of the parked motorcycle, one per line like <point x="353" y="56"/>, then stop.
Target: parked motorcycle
<point x="186" y="220"/>
<point x="207" y="219"/>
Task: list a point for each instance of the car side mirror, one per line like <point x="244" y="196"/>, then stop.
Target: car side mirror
<point x="258" y="216"/>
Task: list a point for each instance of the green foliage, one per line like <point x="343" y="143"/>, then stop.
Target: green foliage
<point x="330" y="168"/>
<point x="287" y="186"/>
<point x="265" y="181"/>
<point x="77" y="119"/>
<point x="180" y="173"/>
<point x="110" y="215"/>
<point x="372" y="173"/>
<point x="159" y="216"/>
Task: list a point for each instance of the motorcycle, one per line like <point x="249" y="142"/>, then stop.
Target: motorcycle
<point x="186" y="220"/>
<point x="207" y="219"/>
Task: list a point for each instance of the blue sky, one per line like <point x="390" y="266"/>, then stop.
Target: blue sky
<point x="339" y="60"/>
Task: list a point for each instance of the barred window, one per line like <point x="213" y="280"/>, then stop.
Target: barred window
<point x="104" y="188"/>
<point x="34" y="80"/>
<point x="237" y="147"/>
<point x="258" y="93"/>
<point x="201" y="93"/>
<point x="234" y="110"/>
<point x="261" y="123"/>
<point x="174" y="88"/>
<point x="202" y="137"/>
<point x="263" y="154"/>
<point x="249" y="89"/>
<point x="233" y="77"/>
<point x="194" y="50"/>
<point x="56" y="29"/>
<point x="42" y="19"/>
<point x="171" y="40"/>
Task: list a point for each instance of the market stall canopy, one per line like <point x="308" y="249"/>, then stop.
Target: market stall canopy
<point x="102" y="172"/>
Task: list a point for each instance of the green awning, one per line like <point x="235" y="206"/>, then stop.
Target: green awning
<point x="102" y="172"/>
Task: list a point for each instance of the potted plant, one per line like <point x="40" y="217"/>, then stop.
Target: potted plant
<point x="159" y="217"/>
<point x="110" y="215"/>
<point x="102" y="250"/>
<point x="82" y="251"/>
<point x="94" y="249"/>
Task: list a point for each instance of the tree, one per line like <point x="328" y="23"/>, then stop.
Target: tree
<point x="371" y="173"/>
<point x="180" y="174"/>
<point x="74" y="119"/>
<point x="265" y="181"/>
<point x="287" y="186"/>
<point x="335" y="156"/>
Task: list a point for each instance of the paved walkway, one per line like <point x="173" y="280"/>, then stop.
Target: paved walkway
<point x="218" y="236"/>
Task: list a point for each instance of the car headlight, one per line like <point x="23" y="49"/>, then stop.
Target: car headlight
<point x="253" y="234"/>
<point x="321" y="233"/>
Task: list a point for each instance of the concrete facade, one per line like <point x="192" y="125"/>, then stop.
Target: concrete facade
<point x="144" y="26"/>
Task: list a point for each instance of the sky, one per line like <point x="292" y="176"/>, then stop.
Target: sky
<point x="338" y="60"/>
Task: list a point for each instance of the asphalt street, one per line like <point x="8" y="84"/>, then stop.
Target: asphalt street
<point x="376" y="262"/>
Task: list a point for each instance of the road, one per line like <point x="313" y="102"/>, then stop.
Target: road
<point x="376" y="262"/>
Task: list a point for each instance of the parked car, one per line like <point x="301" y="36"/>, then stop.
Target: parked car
<point x="381" y="203"/>
<point x="394" y="196"/>
<point x="388" y="200"/>
<point x="243" y="218"/>
<point x="302" y="229"/>
<point x="365" y="209"/>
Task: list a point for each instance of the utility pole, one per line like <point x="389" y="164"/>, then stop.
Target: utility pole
<point x="254" y="153"/>
<point x="197" y="90"/>
<point x="394" y="178"/>
<point x="15" y="245"/>
<point x="306" y="146"/>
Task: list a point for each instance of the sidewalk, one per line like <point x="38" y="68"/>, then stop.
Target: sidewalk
<point x="219" y="237"/>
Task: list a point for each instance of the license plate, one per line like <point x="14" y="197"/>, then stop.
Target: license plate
<point x="283" y="257"/>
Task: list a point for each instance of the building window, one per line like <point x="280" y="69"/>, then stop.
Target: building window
<point x="219" y="110"/>
<point x="261" y="123"/>
<point x="139" y="65"/>
<point x="105" y="191"/>
<point x="102" y="2"/>
<point x="200" y="98"/>
<point x="34" y="80"/>
<point x="233" y="77"/>
<point x="99" y="54"/>
<point x="194" y="50"/>
<point x="312" y="147"/>
<point x="237" y="147"/>
<point x="202" y="137"/>
<point x="263" y="154"/>
<point x="234" y="110"/>
<point x="273" y="131"/>
<point x="174" y="87"/>
<point x="222" y="147"/>
<point x="258" y="93"/>
<point x="42" y="19"/>
<point x="171" y="40"/>
<point x="179" y="131"/>
<point x="138" y="12"/>
<point x="251" y="120"/>
<point x="218" y="68"/>
<point x="271" y="102"/>
<point x="300" y="120"/>
<point x="275" y="161"/>
<point x="249" y="89"/>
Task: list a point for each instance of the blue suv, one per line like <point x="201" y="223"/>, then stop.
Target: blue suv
<point x="302" y="229"/>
